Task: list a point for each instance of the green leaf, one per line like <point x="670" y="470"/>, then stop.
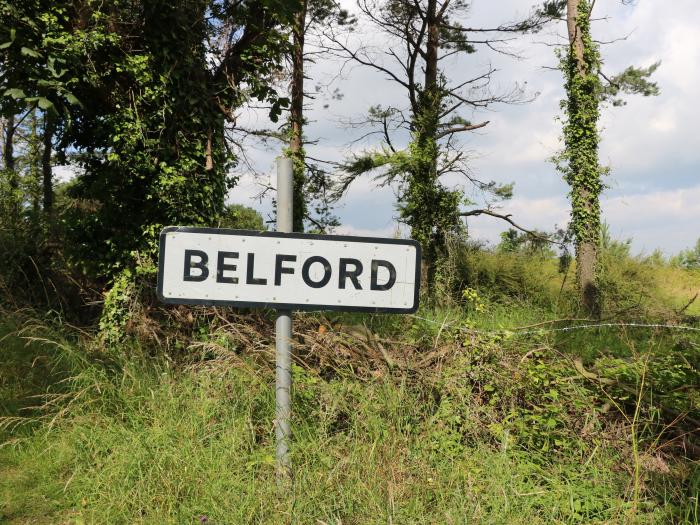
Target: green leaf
<point x="13" y="34"/>
<point x="45" y="103"/>
<point x="15" y="93"/>
<point x="29" y="52"/>
<point x="72" y="99"/>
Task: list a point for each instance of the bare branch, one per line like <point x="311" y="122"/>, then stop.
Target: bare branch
<point x="458" y="129"/>
<point x="507" y="218"/>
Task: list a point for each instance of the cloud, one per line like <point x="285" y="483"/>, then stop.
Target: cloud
<point x="387" y="231"/>
<point x="674" y="217"/>
<point x="650" y="144"/>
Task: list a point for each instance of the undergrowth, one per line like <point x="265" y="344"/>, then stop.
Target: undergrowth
<point x="480" y="410"/>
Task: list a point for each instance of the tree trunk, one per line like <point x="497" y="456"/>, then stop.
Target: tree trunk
<point x="296" y="118"/>
<point x="425" y="179"/>
<point x="47" y="174"/>
<point x="8" y="155"/>
<point x="431" y="59"/>
<point x="209" y="159"/>
<point x="35" y="169"/>
<point x="587" y="218"/>
<point x="575" y="36"/>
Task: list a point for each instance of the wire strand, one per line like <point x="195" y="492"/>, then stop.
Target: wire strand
<point x="562" y="329"/>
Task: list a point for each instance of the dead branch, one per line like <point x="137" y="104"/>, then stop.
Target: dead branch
<point x="458" y="129"/>
<point x="507" y="218"/>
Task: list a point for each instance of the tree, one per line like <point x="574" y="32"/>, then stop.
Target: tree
<point x="296" y="117"/>
<point x="149" y="86"/>
<point x="38" y="74"/>
<point x="689" y="259"/>
<point x="585" y="91"/>
<point x="310" y="181"/>
<point x="422" y="35"/>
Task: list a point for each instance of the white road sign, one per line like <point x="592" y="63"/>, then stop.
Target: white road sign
<point x="288" y="270"/>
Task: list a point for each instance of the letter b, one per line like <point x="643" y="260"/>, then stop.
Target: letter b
<point x="201" y="265"/>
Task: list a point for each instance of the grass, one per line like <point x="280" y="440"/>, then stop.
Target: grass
<point x="171" y="448"/>
<point x="460" y="422"/>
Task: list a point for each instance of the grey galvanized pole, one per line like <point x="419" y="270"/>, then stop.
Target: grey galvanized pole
<point x="283" y="334"/>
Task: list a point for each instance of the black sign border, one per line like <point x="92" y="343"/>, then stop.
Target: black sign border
<point x="286" y="306"/>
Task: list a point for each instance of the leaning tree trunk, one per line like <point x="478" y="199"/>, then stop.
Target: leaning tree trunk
<point x="581" y="143"/>
<point x="296" y="145"/>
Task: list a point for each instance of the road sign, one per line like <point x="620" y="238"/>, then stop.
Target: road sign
<point x="288" y="270"/>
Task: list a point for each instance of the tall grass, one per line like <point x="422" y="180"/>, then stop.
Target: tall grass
<point x="448" y="416"/>
<point x="140" y="440"/>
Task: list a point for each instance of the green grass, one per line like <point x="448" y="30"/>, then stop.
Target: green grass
<point x="471" y="424"/>
<point x="170" y="449"/>
<point x="145" y="443"/>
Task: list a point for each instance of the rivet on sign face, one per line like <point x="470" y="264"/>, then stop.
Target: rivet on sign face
<point x="210" y="238"/>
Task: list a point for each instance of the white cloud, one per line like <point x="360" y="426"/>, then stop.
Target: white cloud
<point x="651" y="144"/>
<point x="671" y="215"/>
<point x="387" y="231"/>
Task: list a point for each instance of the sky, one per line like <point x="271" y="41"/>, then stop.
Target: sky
<point x="652" y="145"/>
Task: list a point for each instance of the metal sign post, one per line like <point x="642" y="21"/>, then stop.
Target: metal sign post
<point x="287" y="271"/>
<point x="283" y="333"/>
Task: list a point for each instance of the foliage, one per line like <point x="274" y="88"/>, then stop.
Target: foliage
<point x="155" y="84"/>
<point x="241" y="217"/>
<point x="632" y="81"/>
<point x="499" y="427"/>
<point x="689" y="258"/>
<point x="419" y="36"/>
<point x="579" y="160"/>
<point x="514" y="241"/>
<point x="41" y="56"/>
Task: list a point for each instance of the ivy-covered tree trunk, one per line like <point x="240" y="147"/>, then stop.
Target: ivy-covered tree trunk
<point x="583" y="172"/>
<point x="431" y="209"/>
<point x="420" y="208"/>
<point x="296" y="119"/>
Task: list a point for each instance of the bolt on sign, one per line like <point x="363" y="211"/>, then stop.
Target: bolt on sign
<point x="288" y="270"/>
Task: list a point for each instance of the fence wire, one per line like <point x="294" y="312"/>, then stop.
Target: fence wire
<point x="529" y="330"/>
